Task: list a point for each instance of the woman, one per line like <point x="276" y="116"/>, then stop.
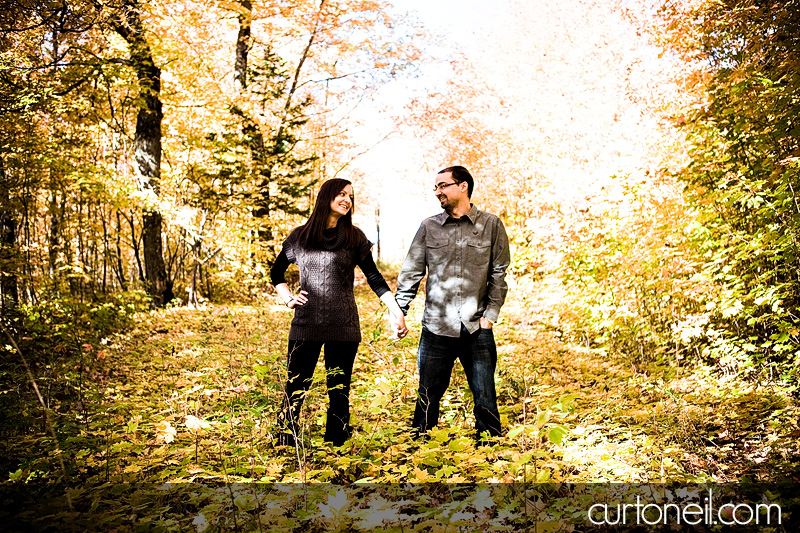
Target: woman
<point x="327" y="249"/>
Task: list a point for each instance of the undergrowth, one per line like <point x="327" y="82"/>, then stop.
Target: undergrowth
<point x="184" y="396"/>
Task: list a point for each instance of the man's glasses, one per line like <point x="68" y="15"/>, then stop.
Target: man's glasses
<point x="440" y="186"/>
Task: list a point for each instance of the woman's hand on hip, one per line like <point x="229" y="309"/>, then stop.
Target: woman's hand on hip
<point x="298" y="299"/>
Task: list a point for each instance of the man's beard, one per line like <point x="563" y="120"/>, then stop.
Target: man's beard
<point x="447" y="204"/>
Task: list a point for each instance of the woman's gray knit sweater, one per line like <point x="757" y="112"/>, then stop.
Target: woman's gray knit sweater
<point x="327" y="275"/>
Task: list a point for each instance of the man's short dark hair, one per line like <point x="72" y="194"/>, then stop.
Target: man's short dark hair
<point x="461" y="174"/>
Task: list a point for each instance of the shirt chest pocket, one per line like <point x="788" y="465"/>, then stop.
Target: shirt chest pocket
<point x="436" y="251"/>
<point x="478" y="251"/>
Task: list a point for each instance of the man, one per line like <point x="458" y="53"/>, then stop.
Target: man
<point x="465" y="253"/>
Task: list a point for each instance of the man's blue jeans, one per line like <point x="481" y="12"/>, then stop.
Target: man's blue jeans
<point x="436" y="357"/>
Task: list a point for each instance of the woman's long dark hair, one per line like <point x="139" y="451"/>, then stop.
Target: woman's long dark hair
<point x="310" y="235"/>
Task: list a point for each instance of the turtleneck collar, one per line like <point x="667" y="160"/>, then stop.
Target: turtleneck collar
<point x="332" y="238"/>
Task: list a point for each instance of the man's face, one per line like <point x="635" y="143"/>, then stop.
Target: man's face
<point x="448" y="192"/>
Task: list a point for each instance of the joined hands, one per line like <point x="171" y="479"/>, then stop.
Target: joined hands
<point x="399" y="325"/>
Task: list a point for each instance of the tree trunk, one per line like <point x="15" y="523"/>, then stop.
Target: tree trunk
<point x="106" y="249"/>
<point x="55" y="230"/>
<point x="9" y="294"/>
<point x="155" y="271"/>
<point x="243" y="45"/>
<point x="194" y="301"/>
<point x="8" y="284"/>
<point x="80" y="263"/>
<point x="378" y="228"/>
<point x="120" y="269"/>
<point x="262" y="199"/>
<point x="251" y="130"/>
<point x="27" y="211"/>
<point x="135" y="244"/>
<point x="147" y="145"/>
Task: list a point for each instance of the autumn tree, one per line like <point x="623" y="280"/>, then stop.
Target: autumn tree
<point x="9" y="292"/>
<point x="127" y="21"/>
<point x="46" y="63"/>
<point x="743" y="172"/>
<point x="577" y="153"/>
<point x="267" y="85"/>
<point x="139" y="140"/>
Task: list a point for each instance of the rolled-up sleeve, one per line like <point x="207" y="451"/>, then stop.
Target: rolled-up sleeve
<point x="412" y="272"/>
<point x="497" y="288"/>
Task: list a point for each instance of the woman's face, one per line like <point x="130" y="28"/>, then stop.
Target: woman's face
<point x="343" y="202"/>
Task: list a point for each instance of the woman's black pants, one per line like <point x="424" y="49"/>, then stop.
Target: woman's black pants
<point x="303" y="357"/>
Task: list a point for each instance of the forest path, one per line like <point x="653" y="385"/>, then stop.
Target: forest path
<point x="191" y="395"/>
<point x="571" y="413"/>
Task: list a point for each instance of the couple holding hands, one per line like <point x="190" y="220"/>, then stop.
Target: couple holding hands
<point x="465" y="254"/>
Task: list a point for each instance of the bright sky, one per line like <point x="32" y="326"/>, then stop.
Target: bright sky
<point x="566" y="72"/>
<point x="398" y="175"/>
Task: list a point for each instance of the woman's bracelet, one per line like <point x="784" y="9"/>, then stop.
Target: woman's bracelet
<point x="287" y="302"/>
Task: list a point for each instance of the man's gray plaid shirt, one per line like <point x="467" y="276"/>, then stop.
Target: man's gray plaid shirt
<point x="466" y="260"/>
